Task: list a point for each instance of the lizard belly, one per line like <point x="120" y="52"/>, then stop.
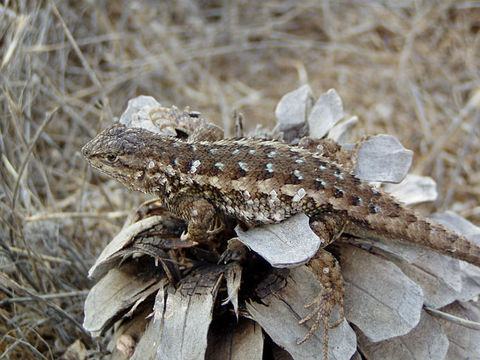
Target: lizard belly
<point x="260" y="210"/>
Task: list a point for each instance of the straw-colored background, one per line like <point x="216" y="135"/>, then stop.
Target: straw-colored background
<point x="409" y="68"/>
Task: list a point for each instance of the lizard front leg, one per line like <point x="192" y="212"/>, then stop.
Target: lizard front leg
<point x="203" y="221"/>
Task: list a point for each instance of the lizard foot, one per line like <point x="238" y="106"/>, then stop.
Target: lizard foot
<point x="204" y="224"/>
<point x="202" y="235"/>
<point x="215" y="228"/>
<point x="327" y="271"/>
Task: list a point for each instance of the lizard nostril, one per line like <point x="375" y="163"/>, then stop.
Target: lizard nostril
<point x="84" y="150"/>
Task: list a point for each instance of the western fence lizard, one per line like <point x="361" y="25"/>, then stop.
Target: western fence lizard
<point x="261" y="182"/>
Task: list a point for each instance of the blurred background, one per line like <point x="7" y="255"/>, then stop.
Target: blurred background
<point x="406" y="68"/>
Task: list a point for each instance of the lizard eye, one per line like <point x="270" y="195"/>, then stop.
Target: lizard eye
<point x="111" y="158"/>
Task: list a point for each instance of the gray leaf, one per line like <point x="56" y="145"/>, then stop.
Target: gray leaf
<point x="292" y="109"/>
<point x="383" y="158"/>
<point x="427" y="342"/>
<point x="326" y="112"/>
<point x="379" y="298"/>
<point x="414" y="189"/>
<point x="276" y="244"/>
<point x="279" y="313"/>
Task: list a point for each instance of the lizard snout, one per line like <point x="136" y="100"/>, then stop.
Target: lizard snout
<point x="86" y="150"/>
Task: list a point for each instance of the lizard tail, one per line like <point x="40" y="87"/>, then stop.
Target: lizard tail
<point x="412" y="227"/>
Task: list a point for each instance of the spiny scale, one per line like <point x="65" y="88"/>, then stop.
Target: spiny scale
<point x="258" y="182"/>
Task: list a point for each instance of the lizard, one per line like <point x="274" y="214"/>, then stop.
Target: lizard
<point x="260" y="182"/>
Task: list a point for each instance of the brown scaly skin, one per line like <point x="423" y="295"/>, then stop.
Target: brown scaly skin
<point x="261" y="182"/>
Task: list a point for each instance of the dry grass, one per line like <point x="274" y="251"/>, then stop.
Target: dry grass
<point x="407" y="68"/>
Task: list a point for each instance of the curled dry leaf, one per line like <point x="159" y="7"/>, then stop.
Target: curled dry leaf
<point x="243" y="340"/>
<point x="276" y="244"/>
<point x="116" y="293"/>
<point x="233" y="277"/>
<point x="118" y="248"/>
<point x="120" y="241"/>
<point x="464" y="341"/>
<point x="414" y="189"/>
<point x="182" y="317"/>
<point x="383" y="158"/>
<point x="293" y="108"/>
<point x="283" y="306"/>
<point x="433" y="343"/>
<point x="342" y="132"/>
<point x="379" y="298"/>
<point x="326" y="112"/>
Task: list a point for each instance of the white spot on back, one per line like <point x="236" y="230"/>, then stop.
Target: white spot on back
<point x="236" y="151"/>
<point x="219" y="165"/>
<point x="194" y="167"/>
<point x="269" y="167"/>
<point x="297" y="174"/>
<point x="243" y="166"/>
<point x="320" y="181"/>
<point x="151" y="164"/>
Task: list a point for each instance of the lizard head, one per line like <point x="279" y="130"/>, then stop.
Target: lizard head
<point x="119" y="152"/>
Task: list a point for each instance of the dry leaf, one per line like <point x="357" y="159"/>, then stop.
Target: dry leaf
<point x="287" y="244"/>
<point x="326" y="112"/>
<point x="383" y="158"/>
<point x="427" y="342"/>
<point x="280" y="311"/>
<point x="379" y="298"/>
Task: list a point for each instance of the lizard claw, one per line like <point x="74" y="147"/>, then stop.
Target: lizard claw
<point x="196" y="233"/>
<point x="322" y="305"/>
<point x="217" y="227"/>
<point x="185" y="236"/>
